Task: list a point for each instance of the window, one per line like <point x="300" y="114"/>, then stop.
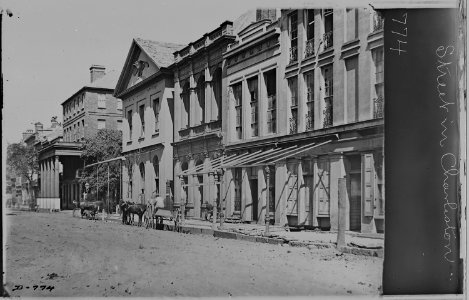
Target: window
<point x="217" y="91"/>
<point x="253" y="89"/>
<point x="156" y="112"/>
<point x="201" y="100"/>
<point x="293" y="32"/>
<point x="83" y="128"/>
<point x="101" y="101"/>
<point x="352" y="88"/>
<point x="75" y="132"/>
<point x="328" y="28"/>
<point x="238" y="97"/>
<point x="323" y="188"/>
<point x="141" y="113"/>
<point x="271" y="85"/>
<point x="82" y="102"/>
<point x="309" y="47"/>
<point x="156" y="167"/>
<point x="328" y="96"/>
<point x="293" y="85"/>
<point x="184" y="182"/>
<point x="101" y="124"/>
<point x="292" y="200"/>
<point x="141" y="168"/>
<point x="377" y="21"/>
<point x="237" y="184"/>
<point x="119" y="104"/>
<point x="129" y="119"/>
<point x="378" y="93"/>
<point x="186" y="102"/>
<point x="309" y="81"/>
<point x="119" y="125"/>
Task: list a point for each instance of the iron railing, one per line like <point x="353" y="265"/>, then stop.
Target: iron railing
<point x="378" y="22"/>
<point x="293" y="124"/>
<point x="293" y="54"/>
<point x="327" y="112"/>
<point x="378" y="107"/>
<point x="309" y="48"/>
<point x="327" y="39"/>
<point x="309" y="118"/>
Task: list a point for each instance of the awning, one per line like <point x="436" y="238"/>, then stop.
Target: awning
<point x="270" y="157"/>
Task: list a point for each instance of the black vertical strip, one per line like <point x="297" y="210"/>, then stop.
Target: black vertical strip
<point x="421" y="152"/>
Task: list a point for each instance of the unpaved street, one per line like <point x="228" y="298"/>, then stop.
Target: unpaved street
<point x="92" y="258"/>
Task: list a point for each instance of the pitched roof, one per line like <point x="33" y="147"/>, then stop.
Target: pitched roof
<point x="160" y="52"/>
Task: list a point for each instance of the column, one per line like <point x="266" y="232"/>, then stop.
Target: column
<point x="56" y="177"/>
<point x="190" y="188"/>
<point x="302" y="217"/>
<point x="281" y="189"/>
<point x="262" y="191"/>
<point x="208" y="187"/>
<point x="208" y="96"/>
<point x="228" y="192"/>
<point x="337" y="170"/>
<point x="41" y="168"/>
<point x="246" y="198"/>
<point x="48" y="178"/>
<point x="192" y="102"/>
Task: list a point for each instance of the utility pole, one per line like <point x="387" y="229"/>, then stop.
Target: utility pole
<point x="108" y="187"/>
<point x="215" y="207"/>
<point x="342" y="213"/>
<point x="267" y="205"/>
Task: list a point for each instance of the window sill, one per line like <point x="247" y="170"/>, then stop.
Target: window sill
<point x="141" y="138"/>
<point x="156" y="134"/>
<point x="129" y="142"/>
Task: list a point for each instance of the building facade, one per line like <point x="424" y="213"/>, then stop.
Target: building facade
<point x="198" y="86"/>
<point x="146" y="89"/>
<point x="305" y="117"/>
<point x="90" y="109"/>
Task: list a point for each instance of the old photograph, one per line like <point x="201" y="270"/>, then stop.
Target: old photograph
<point x="193" y="149"/>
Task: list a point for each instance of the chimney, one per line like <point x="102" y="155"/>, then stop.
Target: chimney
<point x="27" y="134"/>
<point x="38" y="126"/>
<point x="96" y="72"/>
<point x="54" y="122"/>
<point x="266" y="14"/>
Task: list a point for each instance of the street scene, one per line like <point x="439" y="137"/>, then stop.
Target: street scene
<point x="241" y="155"/>
<point x="78" y="257"/>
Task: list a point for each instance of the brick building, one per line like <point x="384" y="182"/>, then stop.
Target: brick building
<point x="146" y="88"/>
<point x="304" y="109"/>
<point x="91" y="108"/>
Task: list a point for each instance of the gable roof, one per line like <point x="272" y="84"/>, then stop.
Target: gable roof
<point x="161" y="53"/>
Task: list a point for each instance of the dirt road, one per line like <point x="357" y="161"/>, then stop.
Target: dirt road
<point x="77" y="257"/>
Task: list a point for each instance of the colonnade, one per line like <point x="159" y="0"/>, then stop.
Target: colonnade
<point x="50" y="169"/>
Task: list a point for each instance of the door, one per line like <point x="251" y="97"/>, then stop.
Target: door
<point x="323" y="188"/>
<point x="292" y="200"/>
<point x="254" y="197"/>
<point x="355" y="201"/>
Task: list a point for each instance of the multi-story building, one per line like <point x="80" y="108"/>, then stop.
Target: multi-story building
<point x="305" y="110"/>
<point x="145" y="87"/>
<point x="91" y="108"/>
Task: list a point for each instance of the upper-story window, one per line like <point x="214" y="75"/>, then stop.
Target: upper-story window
<point x="156" y="112"/>
<point x="309" y="23"/>
<point x="309" y="81"/>
<point x="217" y="91"/>
<point x="129" y="119"/>
<point x="141" y="113"/>
<point x="119" y="104"/>
<point x="293" y="32"/>
<point x="293" y="86"/>
<point x="328" y="95"/>
<point x="201" y="100"/>
<point x="83" y="129"/>
<point x="328" y="25"/>
<point x="156" y="167"/>
<point x="119" y="125"/>
<point x="101" y="124"/>
<point x="186" y="111"/>
<point x="238" y="97"/>
<point x="253" y="93"/>
<point x="270" y="78"/>
<point x="101" y="101"/>
<point x="378" y="60"/>
<point x="377" y="21"/>
<point x="82" y="101"/>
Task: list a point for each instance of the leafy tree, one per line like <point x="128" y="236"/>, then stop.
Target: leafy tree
<point x="23" y="160"/>
<point x="105" y="145"/>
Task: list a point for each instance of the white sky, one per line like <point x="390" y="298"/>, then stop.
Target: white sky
<point x="49" y="45"/>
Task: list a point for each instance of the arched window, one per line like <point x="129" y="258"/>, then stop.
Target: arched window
<point x="217" y="92"/>
<point x="201" y="98"/>
<point x="200" y="182"/>
<point x="156" y="167"/>
<point x="184" y="182"/>
<point x="185" y="95"/>
<point x="141" y="167"/>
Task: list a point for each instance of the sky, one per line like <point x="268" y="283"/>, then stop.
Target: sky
<point x="49" y="45"/>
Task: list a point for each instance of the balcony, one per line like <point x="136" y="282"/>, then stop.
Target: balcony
<point x="309" y="48"/>
<point x="198" y="130"/>
<point x="327" y="112"/>
<point x="293" y="54"/>
<point x="378" y="22"/>
<point x="327" y="39"/>
<point x="293" y="125"/>
<point x="309" y="117"/>
<point x="378" y="107"/>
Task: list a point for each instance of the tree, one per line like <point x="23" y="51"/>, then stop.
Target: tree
<point x="23" y="160"/>
<point x="104" y="145"/>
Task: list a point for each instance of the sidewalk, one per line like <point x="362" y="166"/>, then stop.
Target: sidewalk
<point x="357" y="243"/>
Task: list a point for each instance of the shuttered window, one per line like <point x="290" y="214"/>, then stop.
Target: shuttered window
<point x="368" y="185"/>
<point x="323" y="187"/>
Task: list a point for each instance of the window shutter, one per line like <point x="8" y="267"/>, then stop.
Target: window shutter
<point x="323" y="187"/>
<point x="368" y="183"/>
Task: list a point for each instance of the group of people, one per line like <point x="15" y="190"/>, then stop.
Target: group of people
<point x="147" y="211"/>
